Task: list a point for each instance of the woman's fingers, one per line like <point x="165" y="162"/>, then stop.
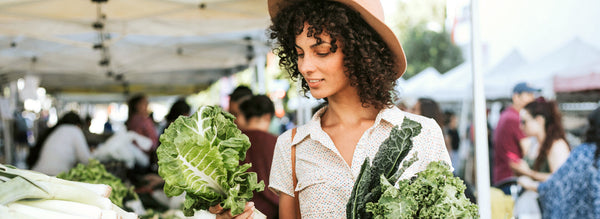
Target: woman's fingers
<point x="248" y="212"/>
<point x="221" y="214"/>
<point x="217" y="209"/>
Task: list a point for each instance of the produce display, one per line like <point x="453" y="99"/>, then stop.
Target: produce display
<point x="95" y="173"/>
<point x="200" y="155"/>
<point x="29" y="194"/>
<point x="432" y="193"/>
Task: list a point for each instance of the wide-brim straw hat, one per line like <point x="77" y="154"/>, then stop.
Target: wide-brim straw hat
<point x="372" y="12"/>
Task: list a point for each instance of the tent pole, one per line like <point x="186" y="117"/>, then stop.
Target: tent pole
<point x="260" y="62"/>
<point x="479" y="109"/>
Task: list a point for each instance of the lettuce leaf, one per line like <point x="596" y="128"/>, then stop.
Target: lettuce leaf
<point x="200" y="155"/>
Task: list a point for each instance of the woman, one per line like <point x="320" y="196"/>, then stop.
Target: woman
<point x="573" y="191"/>
<point x="342" y="52"/>
<point x="429" y="108"/>
<point x="542" y="120"/>
<point x="139" y="121"/>
<point x="61" y="147"/>
<point x="179" y="108"/>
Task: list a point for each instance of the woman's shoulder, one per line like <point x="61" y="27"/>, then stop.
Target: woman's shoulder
<point x="426" y="123"/>
<point x="297" y="133"/>
<point x="285" y="139"/>
<point x="560" y="145"/>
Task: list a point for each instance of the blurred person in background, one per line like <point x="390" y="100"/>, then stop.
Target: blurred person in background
<point x="542" y="120"/>
<point x="573" y="191"/>
<point x="61" y="147"/>
<point x="431" y="109"/>
<point x="451" y="136"/>
<point x="143" y="178"/>
<point x="258" y="112"/>
<point x="509" y="141"/>
<point x="179" y="108"/>
<point x="92" y="139"/>
<point x="108" y="129"/>
<point x="139" y="120"/>
<point x="239" y="95"/>
<point x="153" y="180"/>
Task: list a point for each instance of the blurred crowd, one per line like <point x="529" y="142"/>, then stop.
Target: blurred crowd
<point x="534" y="165"/>
<point x="530" y="156"/>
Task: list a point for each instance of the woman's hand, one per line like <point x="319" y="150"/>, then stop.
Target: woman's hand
<point x="521" y="167"/>
<point x="222" y="214"/>
<point x="528" y="183"/>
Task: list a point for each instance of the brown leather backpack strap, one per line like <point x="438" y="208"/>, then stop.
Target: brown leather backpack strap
<point x="294" y="179"/>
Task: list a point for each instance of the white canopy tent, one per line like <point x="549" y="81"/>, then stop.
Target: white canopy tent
<point x="423" y="81"/>
<point x="540" y="73"/>
<point x="456" y="84"/>
<point x="453" y="85"/>
<point x="575" y="57"/>
<point x="153" y="46"/>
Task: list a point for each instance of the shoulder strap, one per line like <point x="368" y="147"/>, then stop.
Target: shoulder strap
<point x="294" y="179"/>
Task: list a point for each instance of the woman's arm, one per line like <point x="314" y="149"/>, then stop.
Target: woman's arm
<point x="539" y="176"/>
<point x="557" y="155"/>
<point x="287" y="206"/>
<point x="528" y="183"/>
<point x="522" y="168"/>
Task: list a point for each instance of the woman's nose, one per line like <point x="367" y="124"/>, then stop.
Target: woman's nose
<point x="306" y="64"/>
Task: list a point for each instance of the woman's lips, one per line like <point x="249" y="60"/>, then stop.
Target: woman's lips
<point x="312" y="83"/>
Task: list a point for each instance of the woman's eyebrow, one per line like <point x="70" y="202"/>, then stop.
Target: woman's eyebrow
<point x="314" y="45"/>
<point x="318" y="44"/>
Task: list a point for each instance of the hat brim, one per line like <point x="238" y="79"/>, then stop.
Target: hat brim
<point x="377" y="24"/>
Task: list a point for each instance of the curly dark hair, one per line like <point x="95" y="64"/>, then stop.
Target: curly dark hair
<point x="368" y="61"/>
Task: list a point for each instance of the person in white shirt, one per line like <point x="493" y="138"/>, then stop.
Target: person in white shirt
<point x="61" y="147"/>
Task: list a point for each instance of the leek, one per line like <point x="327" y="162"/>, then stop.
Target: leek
<point x="33" y="212"/>
<point x="28" y="194"/>
<point x="67" y="207"/>
<point x="7" y="172"/>
<point x="21" y="188"/>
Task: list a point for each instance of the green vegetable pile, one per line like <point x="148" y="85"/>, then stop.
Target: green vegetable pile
<point x="95" y="173"/>
<point x="200" y="155"/>
<point x="432" y="193"/>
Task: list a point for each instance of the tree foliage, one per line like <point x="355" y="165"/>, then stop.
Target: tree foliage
<point x="420" y="26"/>
<point x="425" y="48"/>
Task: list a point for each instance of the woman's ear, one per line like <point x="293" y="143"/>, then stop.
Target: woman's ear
<point x="540" y="120"/>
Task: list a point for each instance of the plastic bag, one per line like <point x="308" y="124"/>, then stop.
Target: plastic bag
<point x="121" y="147"/>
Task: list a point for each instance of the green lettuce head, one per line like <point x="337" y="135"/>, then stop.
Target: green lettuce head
<point x="200" y="155"/>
